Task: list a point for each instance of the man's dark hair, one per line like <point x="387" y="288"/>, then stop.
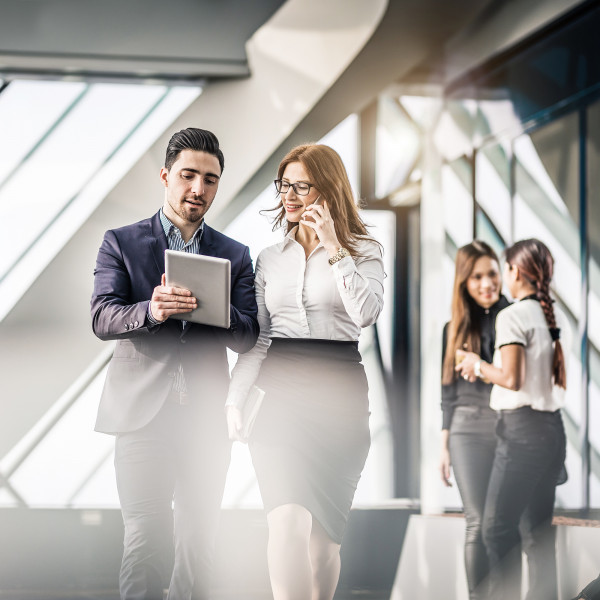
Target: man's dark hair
<point x="193" y="139"/>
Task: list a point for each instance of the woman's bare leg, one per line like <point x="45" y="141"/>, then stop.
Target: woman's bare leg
<point x="325" y="560"/>
<point x="288" y="555"/>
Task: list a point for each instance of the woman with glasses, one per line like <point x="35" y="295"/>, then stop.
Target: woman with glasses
<point x="315" y="290"/>
<point x="468" y="423"/>
<point x="529" y="377"/>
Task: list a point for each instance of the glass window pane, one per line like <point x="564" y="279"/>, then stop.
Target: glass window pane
<point x="485" y="230"/>
<point x="453" y="135"/>
<point x="557" y="67"/>
<point x="546" y="207"/>
<point x="103" y="133"/>
<point x="569" y="494"/>
<point x="458" y="201"/>
<point x="71" y="451"/>
<point x="397" y="146"/>
<point x="498" y="116"/>
<point x="343" y="138"/>
<point x="28" y="110"/>
<point x="73" y="214"/>
<point x="593" y="228"/>
<point x="492" y="186"/>
<point x="546" y="186"/>
<point x="61" y="165"/>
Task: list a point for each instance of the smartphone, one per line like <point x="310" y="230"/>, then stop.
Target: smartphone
<point x="319" y="200"/>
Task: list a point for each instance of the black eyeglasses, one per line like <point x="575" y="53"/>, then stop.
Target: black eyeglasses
<point x="300" y="188"/>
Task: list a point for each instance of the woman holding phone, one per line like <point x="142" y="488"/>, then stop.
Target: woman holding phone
<point x="315" y="291"/>
<point x="529" y="377"/>
<point x="468" y="422"/>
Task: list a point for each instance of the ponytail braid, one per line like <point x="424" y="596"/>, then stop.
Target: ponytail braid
<point x="558" y="363"/>
<point x="537" y="265"/>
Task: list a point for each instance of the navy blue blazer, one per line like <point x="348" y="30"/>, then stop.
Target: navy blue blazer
<point x="130" y="263"/>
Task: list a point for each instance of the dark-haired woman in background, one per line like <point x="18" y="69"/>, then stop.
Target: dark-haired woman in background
<point x="468" y="426"/>
<point x="529" y="377"/>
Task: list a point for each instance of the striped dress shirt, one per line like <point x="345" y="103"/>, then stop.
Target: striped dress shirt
<point x="175" y="242"/>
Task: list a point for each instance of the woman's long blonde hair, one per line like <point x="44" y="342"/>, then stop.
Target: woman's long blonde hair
<point x="328" y="174"/>
<point x="464" y="329"/>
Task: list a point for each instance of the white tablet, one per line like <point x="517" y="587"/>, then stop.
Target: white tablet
<point x="209" y="280"/>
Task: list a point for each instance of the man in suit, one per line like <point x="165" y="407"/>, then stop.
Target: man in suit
<point x="167" y="380"/>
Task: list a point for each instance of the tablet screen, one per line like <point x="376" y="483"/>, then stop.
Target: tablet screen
<point x="209" y="280"/>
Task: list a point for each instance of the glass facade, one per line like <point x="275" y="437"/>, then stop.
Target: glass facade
<point x="532" y="120"/>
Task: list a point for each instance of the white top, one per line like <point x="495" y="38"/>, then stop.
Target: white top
<point x="524" y="323"/>
<point x="301" y="297"/>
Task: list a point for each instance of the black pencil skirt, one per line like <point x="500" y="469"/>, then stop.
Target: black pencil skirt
<point x="311" y="437"/>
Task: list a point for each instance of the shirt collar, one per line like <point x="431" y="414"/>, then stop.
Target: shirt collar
<point x="290" y="237"/>
<point x="168" y="225"/>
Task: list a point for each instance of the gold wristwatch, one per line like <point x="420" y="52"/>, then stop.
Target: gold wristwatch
<point x="341" y="253"/>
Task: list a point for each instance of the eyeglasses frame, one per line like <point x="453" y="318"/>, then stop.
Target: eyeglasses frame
<point x="293" y="186"/>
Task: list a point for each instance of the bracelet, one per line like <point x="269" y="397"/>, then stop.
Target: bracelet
<point x="477" y="369"/>
<point x="341" y="253"/>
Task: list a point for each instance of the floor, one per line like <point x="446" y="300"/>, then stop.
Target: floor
<point x="114" y="595"/>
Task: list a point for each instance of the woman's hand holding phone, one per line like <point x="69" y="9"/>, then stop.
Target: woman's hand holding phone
<point x="317" y="217"/>
<point x="306" y="214"/>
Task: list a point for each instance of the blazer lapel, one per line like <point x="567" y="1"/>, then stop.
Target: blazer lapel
<point x="207" y="243"/>
<point x="158" y="243"/>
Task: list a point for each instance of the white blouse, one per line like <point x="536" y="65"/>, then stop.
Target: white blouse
<point x="301" y="297"/>
<point x="524" y="323"/>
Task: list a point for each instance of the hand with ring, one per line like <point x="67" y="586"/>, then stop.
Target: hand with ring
<point x="466" y="366"/>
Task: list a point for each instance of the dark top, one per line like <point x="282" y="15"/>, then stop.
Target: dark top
<point x="465" y="393"/>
